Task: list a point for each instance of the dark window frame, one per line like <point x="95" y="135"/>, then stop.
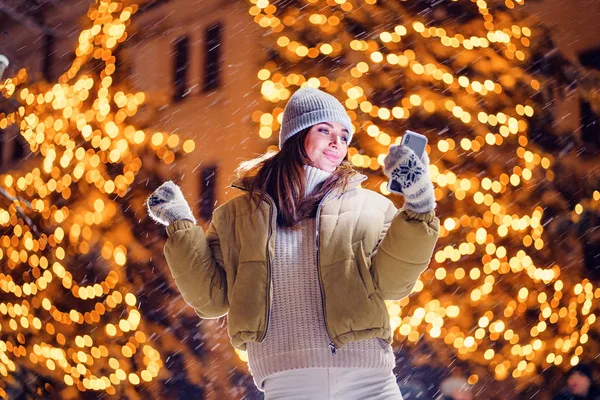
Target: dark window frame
<point x="590" y="122"/>
<point x="213" y="41"/>
<point x="181" y="60"/>
<point x="49" y="49"/>
<point x="208" y="186"/>
<point x="18" y="150"/>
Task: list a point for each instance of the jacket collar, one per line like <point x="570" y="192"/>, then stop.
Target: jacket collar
<point x="353" y="182"/>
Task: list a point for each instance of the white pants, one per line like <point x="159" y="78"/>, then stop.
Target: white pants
<point x="332" y="383"/>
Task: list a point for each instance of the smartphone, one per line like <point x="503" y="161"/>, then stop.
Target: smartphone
<point x="416" y="142"/>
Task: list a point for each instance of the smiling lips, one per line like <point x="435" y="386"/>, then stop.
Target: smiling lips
<point x="333" y="157"/>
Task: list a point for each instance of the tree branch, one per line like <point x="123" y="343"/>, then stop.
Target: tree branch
<point x="20" y="211"/>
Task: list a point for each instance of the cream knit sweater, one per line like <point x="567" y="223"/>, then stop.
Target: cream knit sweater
<point x="296" y="335"/>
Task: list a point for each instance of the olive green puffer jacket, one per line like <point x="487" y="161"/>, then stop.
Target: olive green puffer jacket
<point x="367" y="252"/>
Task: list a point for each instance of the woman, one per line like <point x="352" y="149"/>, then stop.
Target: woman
<point x="580" y="384"/>
<point x="302" y="262"/>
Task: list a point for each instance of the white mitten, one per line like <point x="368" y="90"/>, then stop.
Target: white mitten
<point x="411" y="178"/>
<point x="167" y="205"/>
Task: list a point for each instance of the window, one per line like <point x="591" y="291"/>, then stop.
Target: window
<point x="212" y="55"/>
<point x="590" y="122"/>
<point x="48" y="61"/>
<point x="208" y="180"/>
<point x="18" y="147"/>
<point x="12" y="146"/>
<point x="180" y="67"/>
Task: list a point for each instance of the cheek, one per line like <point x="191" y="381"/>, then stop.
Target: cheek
<point x="311" y="149"/>
<point x="314" y="144"/>
<point x="311" y="146"/>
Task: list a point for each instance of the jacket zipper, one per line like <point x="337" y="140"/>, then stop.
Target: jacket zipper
<point x="332" y="346"/>
<point x="269" y="283"/>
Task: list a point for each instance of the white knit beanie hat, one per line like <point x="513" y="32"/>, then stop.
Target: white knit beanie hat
<point x="309" y="106"/>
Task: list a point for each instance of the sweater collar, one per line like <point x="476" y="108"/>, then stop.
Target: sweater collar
<point x="314" y="178"/>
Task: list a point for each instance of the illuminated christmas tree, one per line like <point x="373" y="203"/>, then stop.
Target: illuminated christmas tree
<point x="495" y="302"/>
<point x="83" y="289"/>
<point x="86" y="300"/>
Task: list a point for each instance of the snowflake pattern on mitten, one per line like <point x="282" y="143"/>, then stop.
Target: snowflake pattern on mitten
<point x="162" y="195"/>
<point x="167" y="204"/>
<point x="409" y="176"/>
<point x="408" y="172"/>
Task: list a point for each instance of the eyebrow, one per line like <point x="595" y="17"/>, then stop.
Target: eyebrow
<point x="328" y="124"/>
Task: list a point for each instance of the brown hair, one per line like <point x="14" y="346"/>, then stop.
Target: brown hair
<point x="281" y="175"/>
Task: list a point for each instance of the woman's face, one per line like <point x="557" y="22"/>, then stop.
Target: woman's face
<point x="579" y="384"/>
<point x="326" y="145"/>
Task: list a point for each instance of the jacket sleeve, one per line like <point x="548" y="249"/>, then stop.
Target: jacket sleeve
<point x="404" y="251"/>
<point x="196" y="263"/>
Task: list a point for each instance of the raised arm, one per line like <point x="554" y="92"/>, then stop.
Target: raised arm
<point x="408" y="241"/>
<point x="409" y="236"/>
<point x="194" y="257"/>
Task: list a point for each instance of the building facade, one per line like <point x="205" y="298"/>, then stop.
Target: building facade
<point x="197" y="63"/>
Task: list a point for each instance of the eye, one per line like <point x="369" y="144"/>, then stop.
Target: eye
<point x="324" y="130"/>
<point x="345" y="138"/>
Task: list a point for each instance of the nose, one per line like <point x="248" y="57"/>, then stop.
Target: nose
<point x="337" y="141"/>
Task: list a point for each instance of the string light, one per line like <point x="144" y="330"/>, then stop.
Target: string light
<point x="77" y="126"/>
<point x="496" y="253"/>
